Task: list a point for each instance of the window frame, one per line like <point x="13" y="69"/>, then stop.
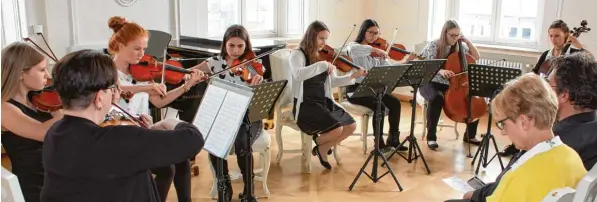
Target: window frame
<point x="18" y="26"/>
<point x="280" y="20"/>
<point x="453" y="12"/>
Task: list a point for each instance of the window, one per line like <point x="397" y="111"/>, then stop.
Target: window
<point x="498" y="22"/>
<point x="262" y="18"/>
<point x="14" y="21"/>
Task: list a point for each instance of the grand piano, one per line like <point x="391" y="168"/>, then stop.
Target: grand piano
<point x="196" y="50"/>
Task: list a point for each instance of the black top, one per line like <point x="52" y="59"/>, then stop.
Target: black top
<point x="544" y="55"/>
<point x="25" y="154"/>
<point x="86" y="162"/>
<point x="578" y="132"/>
<point x="314" y="87"/>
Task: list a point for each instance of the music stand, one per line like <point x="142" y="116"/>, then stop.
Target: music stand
<point x="487" y="81"/>
<point x="421" y="72"/>
<point x="262" y="103"/>
<point x="379" y="82"/>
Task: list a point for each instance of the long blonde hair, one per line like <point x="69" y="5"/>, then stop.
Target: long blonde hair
<point x="17" y="58"/>
<point x="309" y="41"/>
<point x="442" y="42"/>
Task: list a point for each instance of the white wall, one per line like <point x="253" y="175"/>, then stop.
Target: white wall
<point x="572" y="12"/>
<point x="76" y="24"/>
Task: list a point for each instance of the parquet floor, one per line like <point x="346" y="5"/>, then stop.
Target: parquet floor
<point x="287" y="183"/>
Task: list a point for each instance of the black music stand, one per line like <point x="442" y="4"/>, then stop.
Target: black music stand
<point x="379" y="82"/>
<point x="263" y="101"/>
<point x="421" y="72"/>
<point x="487" y="81"/>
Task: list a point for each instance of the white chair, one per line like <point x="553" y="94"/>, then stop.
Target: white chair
<point x="586" y="190"/>
<point x="11" y="189"/>
<point x="424" y="104"/>
<point x="357" y="110"/>
<point x="262" y="147"/>
<point x="283" y="110"/>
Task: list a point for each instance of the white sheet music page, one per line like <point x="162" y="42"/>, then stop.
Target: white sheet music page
<point x="227" y="123"/>
<point x="208" y="110"/>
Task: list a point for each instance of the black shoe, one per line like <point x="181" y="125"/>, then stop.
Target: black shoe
<point x="315" y="137"/>
<point x="402" y="148"/>
<point x="243" y="197"/>
<point x="228" y="188"/>
<point x="325" y="164"/>
<point x="432" y="145"/>
<point x="509" y="150"/>
<point x="472" y="141"/>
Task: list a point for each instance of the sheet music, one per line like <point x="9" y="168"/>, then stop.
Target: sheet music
<point x="227" y="123"/>
<point x="208" y="110"/>
<point x="458" y="184"/>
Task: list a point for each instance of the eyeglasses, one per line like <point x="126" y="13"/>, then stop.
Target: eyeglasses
<point x="374" y="33"/>
<point x="500" y="124"/>
<point x="453" y="35"/>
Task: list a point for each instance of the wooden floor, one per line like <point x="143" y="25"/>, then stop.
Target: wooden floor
<point x="287" y="183"/>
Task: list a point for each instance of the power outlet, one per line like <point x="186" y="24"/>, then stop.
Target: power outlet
<point x="38" y="29"/>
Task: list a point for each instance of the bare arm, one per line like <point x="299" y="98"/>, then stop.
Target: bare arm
<point x="473" y="50"/>
<point x="161" y="101"/>
<point x="22" y="125"/>
<point x="136" y="88"/>
<point x="203" y="67"/>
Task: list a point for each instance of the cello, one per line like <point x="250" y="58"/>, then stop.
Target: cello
<point x="546" y="67"/>
<point x="456" y="98"/>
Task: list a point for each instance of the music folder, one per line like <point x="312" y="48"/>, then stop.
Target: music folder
<point x="221" y="114"/>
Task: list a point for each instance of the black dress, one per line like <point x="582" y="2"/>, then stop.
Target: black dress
<point x="26" y="155"/>
<point x="319" y="114"/>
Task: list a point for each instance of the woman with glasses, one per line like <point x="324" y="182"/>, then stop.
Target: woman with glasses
<point x="86" y="162"/>
<point x="434" y="91"/>
<point x="364" y="55"/>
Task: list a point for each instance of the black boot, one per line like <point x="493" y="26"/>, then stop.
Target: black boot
<point x="228" y="188"/>
<point x="246" y="189"/>
<point x="394" y="141"/>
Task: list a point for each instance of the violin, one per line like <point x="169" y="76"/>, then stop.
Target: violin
<point x="121" y="117"/>
<point x="250" y="69"/>
<point x="546" y="67"/>
<point x="396" y="51"/>
<point x="149" y="69"/>
<point x="344" y="63"/>
<point x="456" y="102"/>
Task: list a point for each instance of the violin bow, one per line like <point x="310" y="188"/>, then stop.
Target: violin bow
<point x="131" y="117"/>
<point x="246" y="62"/>
<point x="343" y="45"/>
<point x="392" y="42"/>
<point x="42" y="50"/>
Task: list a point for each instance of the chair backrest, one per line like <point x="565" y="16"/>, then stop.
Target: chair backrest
<point x="586" y="189"/>
<point x="11" y="189"/>
<point x="158" y="42"/>
<point x="280" y="66"/>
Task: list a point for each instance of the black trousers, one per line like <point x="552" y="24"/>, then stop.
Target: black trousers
<point x="434" y="94"/>
<point x="240" y="149"/>
<point x="388" y="102"/>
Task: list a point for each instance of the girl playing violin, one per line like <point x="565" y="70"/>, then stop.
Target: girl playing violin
<point x="23" y="126"/>
<point x="559" y="35"/>
<point x="87" y="162"/>
<point x="314" y="107"/>
<point x="128" y="44"/>
<point x="235" y="45"/>
<point x="434" y="92"/>
<point x="361" y="53"/>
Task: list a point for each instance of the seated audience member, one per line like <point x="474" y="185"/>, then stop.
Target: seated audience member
<point x="87" y="162"/>
<point x="525" y="111"/>
<point x="574" y="81"/>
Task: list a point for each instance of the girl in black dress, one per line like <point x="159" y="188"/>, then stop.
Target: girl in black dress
<point x="23" y="126"/>
<point x="314" y="108"/>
